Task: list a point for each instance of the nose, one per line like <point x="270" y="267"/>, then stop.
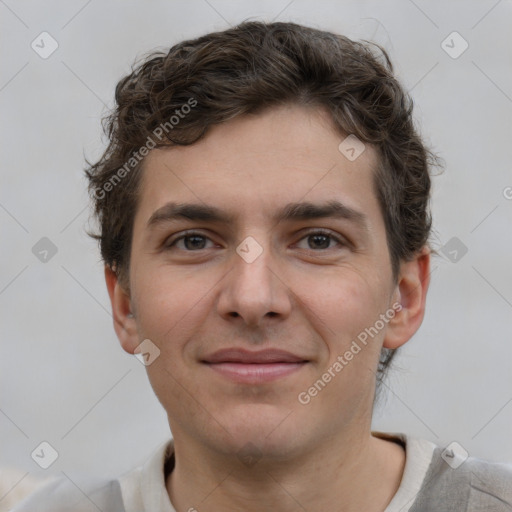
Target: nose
<point x="255" y="289"/>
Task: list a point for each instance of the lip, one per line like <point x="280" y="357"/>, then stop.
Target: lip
<point x="240" y="355"/>
<point x="243" y="366"/>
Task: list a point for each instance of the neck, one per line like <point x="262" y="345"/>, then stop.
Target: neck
<point x="338" y="475"/>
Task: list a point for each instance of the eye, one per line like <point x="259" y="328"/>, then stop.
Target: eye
<point x="321" y="240"/>
<point x="192" y="241"/>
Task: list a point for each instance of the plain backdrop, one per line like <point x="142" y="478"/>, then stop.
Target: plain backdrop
<point x="64" y="378"/>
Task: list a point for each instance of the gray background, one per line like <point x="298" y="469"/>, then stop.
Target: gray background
<point x="64" y="377"/>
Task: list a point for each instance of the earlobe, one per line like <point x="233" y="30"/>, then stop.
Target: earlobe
<point x="411" y="291"/>
<point x="124" y="320"/>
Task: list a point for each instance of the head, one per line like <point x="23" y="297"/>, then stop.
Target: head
<point x="246" y="122"/>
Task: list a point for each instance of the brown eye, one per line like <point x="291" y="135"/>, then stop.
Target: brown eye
<point x="191" y="242"/>
<point x="322" y="240"/>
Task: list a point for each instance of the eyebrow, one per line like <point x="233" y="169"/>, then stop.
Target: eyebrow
<point x="173" y="211"/>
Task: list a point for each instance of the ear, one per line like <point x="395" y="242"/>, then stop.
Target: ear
<point x="410" y="292"/>
<point x="124" y="321"/>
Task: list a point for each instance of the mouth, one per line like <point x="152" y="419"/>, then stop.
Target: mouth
<point x="247" y="367"/>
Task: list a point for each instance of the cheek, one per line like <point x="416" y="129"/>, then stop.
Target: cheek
<point x="348" y="313"/>
<point x="168" y="304"/>
<point x="169" y="310"/>
<point x="345" y="303"/>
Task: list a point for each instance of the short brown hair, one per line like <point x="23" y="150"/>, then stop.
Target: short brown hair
<point x="247" y="69"/>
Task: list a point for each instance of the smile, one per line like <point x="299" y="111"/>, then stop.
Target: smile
<point x="247" y="367"/>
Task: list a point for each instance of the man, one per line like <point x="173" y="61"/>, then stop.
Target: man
<point x="263" y="213"/>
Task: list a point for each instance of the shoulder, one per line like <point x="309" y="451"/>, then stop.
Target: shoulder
<point x="491" y="480"/>
<point x="142" y="488"/>
<point x="454" y="480"/>
<point x="62" y="495"/>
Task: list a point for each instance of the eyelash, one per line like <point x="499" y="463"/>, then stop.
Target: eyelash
<point x="322" y="232"/>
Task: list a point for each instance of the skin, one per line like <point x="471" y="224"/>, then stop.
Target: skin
<point x="306" y="295"/>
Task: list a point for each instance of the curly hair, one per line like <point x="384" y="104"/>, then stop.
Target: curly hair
<point x="175" y="97"/>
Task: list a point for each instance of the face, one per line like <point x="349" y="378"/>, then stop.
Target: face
<point x="259" y="295"/>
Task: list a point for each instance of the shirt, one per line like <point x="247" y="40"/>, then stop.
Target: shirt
<point x="434" y="480"/>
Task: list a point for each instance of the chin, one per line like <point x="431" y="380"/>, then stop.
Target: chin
<point x="266" y="428"/>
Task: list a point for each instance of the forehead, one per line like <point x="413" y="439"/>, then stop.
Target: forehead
<point x="253" y="165"/>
